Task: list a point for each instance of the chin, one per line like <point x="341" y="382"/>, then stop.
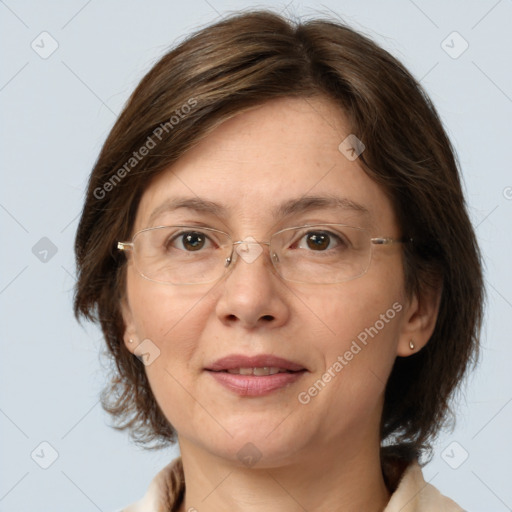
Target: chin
<point x="257" y="444"/>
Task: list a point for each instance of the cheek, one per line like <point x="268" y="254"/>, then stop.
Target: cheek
<point x="361" y="322"/>
<point x="157" y="308"/>
<point x="361" y="309"/>
<point x="172" y="318"/>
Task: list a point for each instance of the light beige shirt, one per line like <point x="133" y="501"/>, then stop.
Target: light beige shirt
<point x="413" y="494"/>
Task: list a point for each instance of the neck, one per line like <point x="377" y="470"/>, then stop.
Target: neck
<point x="316" y="480"/>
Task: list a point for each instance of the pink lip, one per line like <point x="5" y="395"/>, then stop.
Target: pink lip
<point x="254" y="385"/>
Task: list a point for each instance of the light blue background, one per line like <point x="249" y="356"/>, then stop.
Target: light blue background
<point x="56" y="113"/>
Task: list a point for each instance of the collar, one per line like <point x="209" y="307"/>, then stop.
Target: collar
<point x="413" y="494"/>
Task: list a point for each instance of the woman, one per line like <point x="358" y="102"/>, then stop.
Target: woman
<point x="277" y="248"/>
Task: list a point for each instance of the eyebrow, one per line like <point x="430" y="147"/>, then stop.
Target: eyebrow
<point x="285" y="209"/>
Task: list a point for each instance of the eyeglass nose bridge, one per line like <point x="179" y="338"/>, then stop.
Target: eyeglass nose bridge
<point x="249" y="258"/>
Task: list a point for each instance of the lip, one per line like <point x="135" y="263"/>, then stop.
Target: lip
<point x="234" y="361"/>
<point x="255" y="385"/>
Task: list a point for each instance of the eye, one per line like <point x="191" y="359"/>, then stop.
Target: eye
<point x="321" y="241"/>
<point x="190" y="241"/>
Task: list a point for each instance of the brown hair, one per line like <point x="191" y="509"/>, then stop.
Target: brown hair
<point x="238" y="63"/>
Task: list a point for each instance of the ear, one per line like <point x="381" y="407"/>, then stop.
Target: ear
<point x="130" y="331"/>
<point x="419" y="320"/>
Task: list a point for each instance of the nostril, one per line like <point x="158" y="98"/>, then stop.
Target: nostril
<point x="268" y="318"/>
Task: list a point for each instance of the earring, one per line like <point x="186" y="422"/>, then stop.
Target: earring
<point x="411" y="345"/>
<point x="130" y="340"/>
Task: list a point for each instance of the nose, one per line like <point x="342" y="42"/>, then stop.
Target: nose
<point x="252" y="294"/>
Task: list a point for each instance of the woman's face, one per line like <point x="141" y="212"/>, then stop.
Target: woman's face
<point x="281" y="152"/>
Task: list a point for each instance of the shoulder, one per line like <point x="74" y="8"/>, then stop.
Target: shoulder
<point x="165" y="492"/>
<point x="413" y="494"/>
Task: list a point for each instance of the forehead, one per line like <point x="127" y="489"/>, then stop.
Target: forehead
<point x="256" y="165"/>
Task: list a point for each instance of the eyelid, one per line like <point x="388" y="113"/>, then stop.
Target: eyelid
<point x="329" y="230"/>
<point x="327" y="226"/>
<point x="305" y="220"/>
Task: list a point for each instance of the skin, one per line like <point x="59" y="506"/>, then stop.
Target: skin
<point x="320" y="456"/>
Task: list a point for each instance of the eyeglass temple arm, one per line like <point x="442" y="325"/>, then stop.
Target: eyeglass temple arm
<point x="389" y="241"/>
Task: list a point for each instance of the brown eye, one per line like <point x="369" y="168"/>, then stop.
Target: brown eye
<point x="321" y="241"/>
<point x="318" y="241"/>
<point x="188" y="241"/>
<point x="193" y="241"/>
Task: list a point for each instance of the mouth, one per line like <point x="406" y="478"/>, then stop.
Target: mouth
<point x="256" y="375"/>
